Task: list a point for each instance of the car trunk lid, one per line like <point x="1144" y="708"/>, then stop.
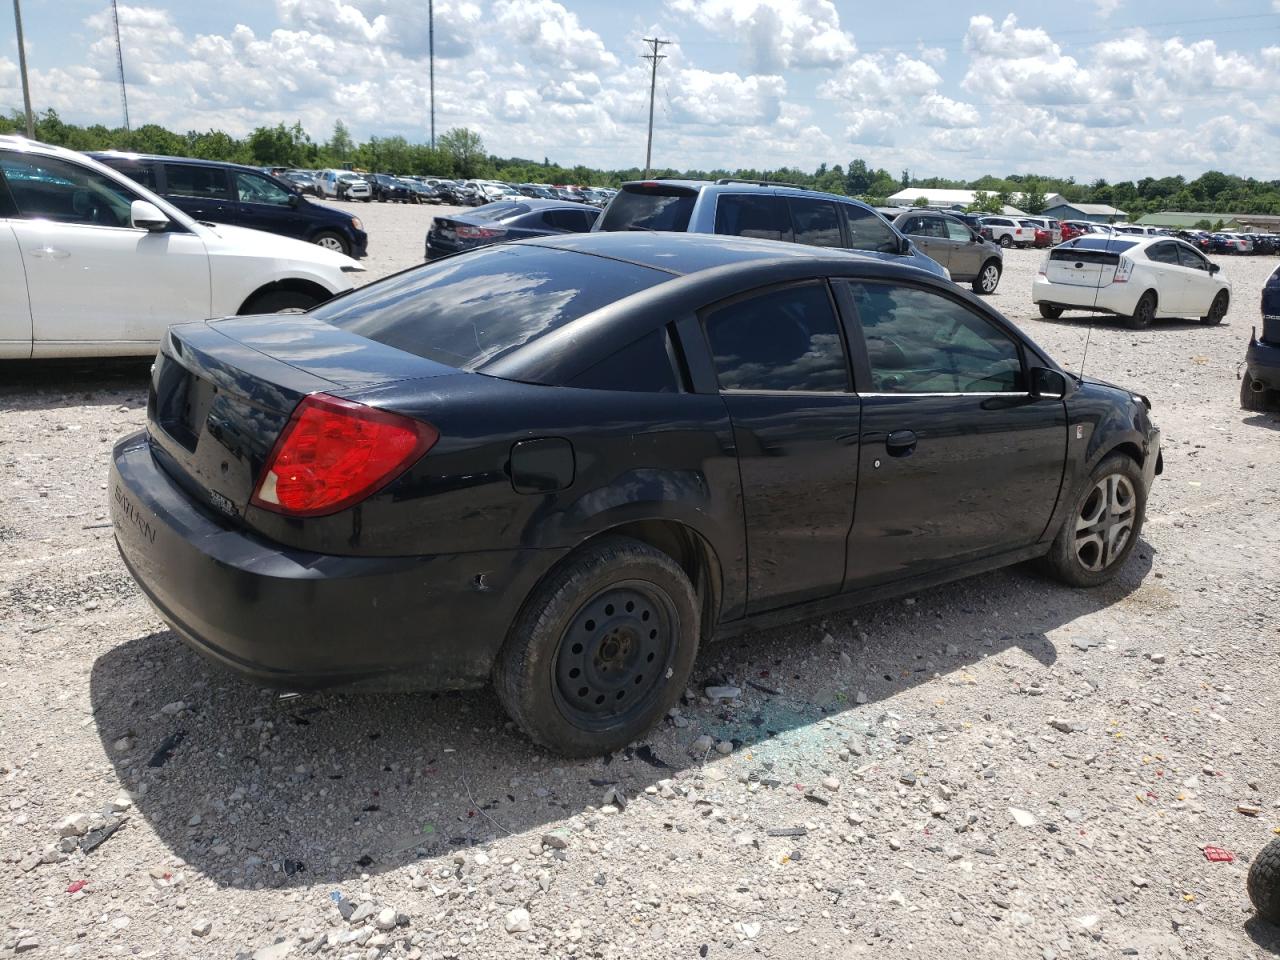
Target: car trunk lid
<point x="222" y="392"/>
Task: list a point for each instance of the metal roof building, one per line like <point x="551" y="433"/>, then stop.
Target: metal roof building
<point x="1096" y="212"/>
<point x="939" y="199"/>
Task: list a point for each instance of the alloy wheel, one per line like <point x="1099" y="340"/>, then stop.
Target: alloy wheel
<point x="1105" y="522"/>
<point x="614" y="656"/>
<point x="330" y="243"/>
<point x="990" y="278"/>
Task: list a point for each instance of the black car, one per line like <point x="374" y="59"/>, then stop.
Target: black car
<point x="387" y="188"/>
<point x="562" y="464"/>
<point x="1260" y="383"/>
<point x="506" y="220"/>
<point x="243" y="197"/>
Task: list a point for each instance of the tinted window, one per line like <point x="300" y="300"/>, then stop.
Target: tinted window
<point x="758" y="215"/>
<point x="650" y="209"/>
<point x="470" y="310"/>
<point x="576" y="221"/>
<point x="786" y="339"/>
<point x="815" y="222"/>
<point x="1189" y="258"/>
<point x="143" y="173"/>
<point x="191" y="181"/>
<point x="922" y="342"/>
<point x="642" y="367"/>
<point x="868" y="231"/>
<point x="255" y="189"/>
<point x="50" y="188"/>
<point x="958" y="231"/>
<point x="1163" y="253"/>
<point x="498" y="211"/>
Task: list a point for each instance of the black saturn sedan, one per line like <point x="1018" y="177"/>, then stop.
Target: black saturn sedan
<point x="561" y="464"/>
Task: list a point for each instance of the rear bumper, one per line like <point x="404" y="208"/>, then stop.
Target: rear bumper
<point x="1263" y="363"/>
<point x="1120" y="299"/>
<point x="296" y="619"/>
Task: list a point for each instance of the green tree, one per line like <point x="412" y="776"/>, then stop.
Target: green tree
<point x="858" y="180"/>
<point x="984" y="202"/>
<point x="920" y="202"/>
<point x="281" y="146"/>
<point x="906" y="179"/>
<point x="340" y="146"/>
<point x="466" y="149"/>
<point x="1033" y="198"/>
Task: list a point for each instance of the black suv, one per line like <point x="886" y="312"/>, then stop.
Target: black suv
<point x="242" y="197"/>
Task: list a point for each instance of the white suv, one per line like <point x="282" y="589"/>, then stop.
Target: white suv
<point x="93" y="264"/>
<point x="1009" y="232"/>
<point x="343" y="185"/>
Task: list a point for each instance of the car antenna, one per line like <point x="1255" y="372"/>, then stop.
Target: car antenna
<point x="1088" y="336"/>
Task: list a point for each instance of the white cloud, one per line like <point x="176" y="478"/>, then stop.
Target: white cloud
<point x="777" y="33"/>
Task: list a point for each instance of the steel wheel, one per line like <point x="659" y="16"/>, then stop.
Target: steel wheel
<point x="1105" y="522"/>
<point x="615" y="654"/>
<point x="990" y="278"/>
<point x="330" y="242"/>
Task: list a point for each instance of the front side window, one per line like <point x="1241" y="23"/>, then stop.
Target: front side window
<point x="786" y="339"/>
<point x="815" y="222"/>
<point x="869" y="231"/>
<point x="255" y="189"/>
<point x="50" y="188"/>
<point x="758" y="215"/>
<point x="1189" y="258"/>
<point x="919" y="341"/>
<point x="958" y="231"/>
<point x="186" y="180"/>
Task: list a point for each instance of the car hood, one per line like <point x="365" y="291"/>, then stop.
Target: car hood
<point x="242" y="241"/>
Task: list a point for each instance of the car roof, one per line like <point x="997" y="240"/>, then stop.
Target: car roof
<point x="189" y="161"/>
<point x="682" y="254"/>
<point x="745" y="186"/>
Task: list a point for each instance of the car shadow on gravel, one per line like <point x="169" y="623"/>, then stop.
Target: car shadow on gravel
<point x="252" y="788"/>
<point x="1265" y="935"/>
<point x="43" y="384"/>
<point x="1106" y="321"/>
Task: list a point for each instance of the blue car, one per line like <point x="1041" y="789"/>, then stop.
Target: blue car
<point x="241" y="197"/>
<point x="1260" y="385"/>
<point x="506" y="220"/>
<point x="764" y="210"/>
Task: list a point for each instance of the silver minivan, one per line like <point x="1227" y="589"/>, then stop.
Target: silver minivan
<point x="955" y="245"/>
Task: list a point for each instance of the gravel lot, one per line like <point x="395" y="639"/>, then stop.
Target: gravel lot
<point x="1002" y="767"/>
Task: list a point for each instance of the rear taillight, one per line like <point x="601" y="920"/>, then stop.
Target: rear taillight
<point x="1123" y="270"/>
<point x="478" y="233"/>
<point x="334" y="453"/>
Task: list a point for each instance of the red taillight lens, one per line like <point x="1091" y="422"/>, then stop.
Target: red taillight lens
<point x="334" y="453"/>
<point x="478" y="233"/>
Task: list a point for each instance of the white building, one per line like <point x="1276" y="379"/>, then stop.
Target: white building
<point x="958" y="199"/>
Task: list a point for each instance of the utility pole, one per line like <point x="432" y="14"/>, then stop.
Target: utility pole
<point x="124" y="97"/>
<point x="653" y="58"/>
<point x="22" y="68"/>
<point x="431" y="47"/>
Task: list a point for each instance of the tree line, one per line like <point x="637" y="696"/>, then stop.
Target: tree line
<point x="461" y="153"/>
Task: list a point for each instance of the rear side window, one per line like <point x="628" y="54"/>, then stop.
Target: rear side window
<point x="468" y="311"/>
<point x="499" y="211"/>
<point x="640" y="367"/>
<point x="868" y="231"/>
<point x="815" y="222"/>
<point x="786" y="339"/>
<point x="650" y="208"/>
<point x="575" y="221"/>
<point x="761" y="216"/>
<point x="183" y="180"/>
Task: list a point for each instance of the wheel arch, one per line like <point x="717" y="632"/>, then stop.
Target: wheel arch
<point x="289" y="284"/>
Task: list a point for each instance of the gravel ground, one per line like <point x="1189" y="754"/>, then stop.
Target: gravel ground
<point x="1001" y="767"/>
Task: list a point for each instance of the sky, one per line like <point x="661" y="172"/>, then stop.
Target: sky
<point x="1119" y="89"/>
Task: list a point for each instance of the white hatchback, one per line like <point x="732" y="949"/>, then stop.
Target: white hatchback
<point x="1139" y="278"/>
<point x="92" y="264"/>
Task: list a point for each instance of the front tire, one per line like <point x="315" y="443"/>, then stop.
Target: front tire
<point x="601" y="650"/>
<point x="281" y="301"/>
<point x="1144" y="312"/>
<point x="1264" y="882"/>
<point x="332" y="241"/>
<point x="1103" y="526"/>
<point x="1006" y="242"/>
<point x="1049" y="311"/>
<point x="988" y="278"/>
<point x="1217" y="310"/>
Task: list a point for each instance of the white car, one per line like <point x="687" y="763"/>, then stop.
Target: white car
<point x="93" y="264"/>
<point x="1139" y="278"/>
<point x="1009" y="232"/>
<point x="343" y="185"/>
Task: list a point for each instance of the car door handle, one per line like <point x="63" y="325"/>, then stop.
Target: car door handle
<point x="900" y="443"/>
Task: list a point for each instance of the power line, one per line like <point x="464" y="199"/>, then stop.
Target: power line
<point x="124" y="96"/>
<point x="653" y="58"/>
<point x="22" y="68"/>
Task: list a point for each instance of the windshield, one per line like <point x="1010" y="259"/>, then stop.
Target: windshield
<point x="650" y="208"/>
<point x="470" y="310"/>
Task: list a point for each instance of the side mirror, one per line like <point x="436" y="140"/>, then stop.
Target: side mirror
<point x="147" y="216"/>
<point x="1048" y="383"/>
<point x="295" y="199"/>
<point x="1214" y="267"/>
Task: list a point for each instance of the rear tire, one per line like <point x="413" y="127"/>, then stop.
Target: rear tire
<point x="1145" y="312"/>
<point x="1103" y="526"/>
<point x="332" y="241"/>
<point x="1049" y="311"/>
<point x="1217" y="310"/>
<point x="601" y="649"/>
<point x="281" y="301"/>
<point x="1264" y="882"/>
<point x="988" y="278"/>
